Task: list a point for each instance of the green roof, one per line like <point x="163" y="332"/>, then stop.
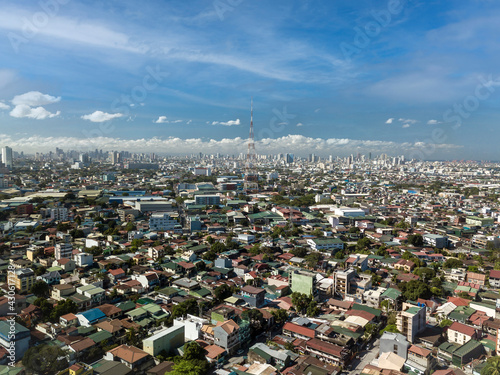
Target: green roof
<point x="169" y="291"/>
<point x="126" y="306"/>
<point x="413" y="310"/>
<point x="391" y="293"/>
<point x="137" y="312"/>
<point x="86" y="330"/>
<point x="346" y="332"/>
<point x="466" y="348"/>
<point x="5" y="328"/>
<point x="144" y="301"/>
<point x="100" y="336"/>
<point x="448" y="347"/>
<point x="202" y="292"/>
<point x="144" y="322"/>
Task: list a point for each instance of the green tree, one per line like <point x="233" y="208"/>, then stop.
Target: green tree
<point x="445" y="323"/>
<point x="415" y="289"/>
<point x="312" y="308"/>
<point x="300" y="301"/>
<point x="40" y="289"/>
<point x="492" y="366"/>
<point x="222" y="292"/>
<point x="363" y="244"/>
<point x="45" y="359"/>
<point x="390" y="328"/>
<point x="453" y="263"/>
<point x="416" y="240"/>
<point x="299" y="252"/>
<point x="280" y="315"/>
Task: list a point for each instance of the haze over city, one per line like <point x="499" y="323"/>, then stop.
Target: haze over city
<point x="399" y="77"/>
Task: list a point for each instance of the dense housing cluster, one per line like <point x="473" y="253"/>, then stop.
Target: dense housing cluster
<point x="127" y="263"/>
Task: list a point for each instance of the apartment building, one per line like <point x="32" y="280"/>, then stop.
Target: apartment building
<point x="411" y="320"/>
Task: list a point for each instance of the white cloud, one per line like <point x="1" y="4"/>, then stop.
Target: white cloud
<point x="162" y="120"/>
<point x="37" y="113"/>
<point x="35" y="98"/>
<point x="227" y="123"/>
<point x="4" y="106"/>
<point x="189" y="122"/>
<point x="99" y="116"/>
<point x="390" y="120"/>
<point x="300" y="124"/>
<point x="433" y="122"/>
<point x="408" y="120"/>
<point x="406" y="126"/>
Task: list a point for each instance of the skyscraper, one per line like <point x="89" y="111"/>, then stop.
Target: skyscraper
<point x="7" y="157"/>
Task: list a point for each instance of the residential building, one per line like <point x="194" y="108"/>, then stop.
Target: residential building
<point x="166" y="340"/>
<point x="23" y="278"/>
<point x="14" y="336"/>
<point x="254" y="296"/>
<point x="476" y="278"/>
<point x="58" y="213"/>
<point x="321" y="244"/>
<point x="435" y="240"/>
<point x="63" y="250"/>
<point x="192" y="326"/>
<point x="342" y="281"/>
<point x="411" y="320"/>
<point x="83" y="259"/>
<point x="132" y="357"/>
<point x="459" y="333"/>
<point x="394" y="343"/>
<point x="207" y="200"/>
<point x="162" y="221"/>
<point x="303" y="282"/>
<point x="226" y="335"/>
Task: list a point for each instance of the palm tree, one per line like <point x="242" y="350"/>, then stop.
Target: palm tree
<point x="492" y="367"/>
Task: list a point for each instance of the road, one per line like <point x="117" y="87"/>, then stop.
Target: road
<point x="365" y="357"/>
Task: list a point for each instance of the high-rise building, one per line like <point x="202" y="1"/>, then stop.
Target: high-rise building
<point x="7" y="159"/>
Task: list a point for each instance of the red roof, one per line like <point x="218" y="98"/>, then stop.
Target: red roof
<point x="116" y="272"/>
<point x="325" y="347"/>
<point x="303" y="331"/>
<point x="495" y="274"/>
<point x="462" y="328"/>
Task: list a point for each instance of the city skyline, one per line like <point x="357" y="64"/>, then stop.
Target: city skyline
<point x="396" y="77"/>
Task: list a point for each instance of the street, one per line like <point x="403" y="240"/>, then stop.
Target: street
<point x="366" y="356"/>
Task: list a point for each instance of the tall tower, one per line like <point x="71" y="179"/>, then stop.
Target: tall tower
<point x="7" y="157"/>
<point x="251" y="178"/>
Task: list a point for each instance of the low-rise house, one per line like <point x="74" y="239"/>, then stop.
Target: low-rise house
<point x="51" y="278"/>
<point x="420" y="360"/>
<point x="226" y="335"/>
<point x="327" y="352"/>
<point x="90" y="317"/>
<point x="459" y="333"/>
<point x="166" y="340"/>
<point x="261" y="353"/>
<point x="253" y="295"/>
<point x="395" y="343"/>
<point x="476" y="278"/>
<point x="294" y="330"/>
<point x="132" y="357"/>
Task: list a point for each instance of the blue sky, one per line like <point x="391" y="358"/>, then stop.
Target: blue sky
<point x="337" y="77"/>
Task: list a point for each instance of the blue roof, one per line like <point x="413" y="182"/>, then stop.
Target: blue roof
<point x="93" y="315"/>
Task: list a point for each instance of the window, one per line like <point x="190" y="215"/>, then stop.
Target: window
<point x="395" y="349"/>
